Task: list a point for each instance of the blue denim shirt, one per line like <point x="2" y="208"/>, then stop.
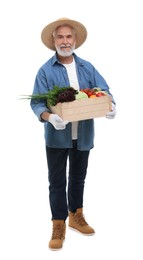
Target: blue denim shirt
<point x="53" y="73"/>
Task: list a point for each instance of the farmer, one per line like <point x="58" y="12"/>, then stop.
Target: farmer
<point x="66" y="141"/>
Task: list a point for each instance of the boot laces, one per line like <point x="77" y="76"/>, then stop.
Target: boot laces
<point x="80" y="219"/>
<point x="58" y="231"/>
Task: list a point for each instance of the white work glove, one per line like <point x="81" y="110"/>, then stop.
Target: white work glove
<point x="57" y="122"/>
<point x="112" y="113"/>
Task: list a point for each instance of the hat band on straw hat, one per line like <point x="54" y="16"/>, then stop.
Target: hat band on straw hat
<point x="47" y="32"/>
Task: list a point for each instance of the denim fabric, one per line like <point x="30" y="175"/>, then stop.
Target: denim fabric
<point x="53" y="73"/>
<point x="66" y="189"/>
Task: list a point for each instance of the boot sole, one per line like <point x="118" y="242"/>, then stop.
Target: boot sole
<point x="56" y="249"/>
<point x="78" y="231"/>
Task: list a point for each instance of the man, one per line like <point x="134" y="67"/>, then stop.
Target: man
<point x="66" y="141"/>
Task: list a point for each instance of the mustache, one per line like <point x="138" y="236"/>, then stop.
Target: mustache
<point x="65" y="46"/>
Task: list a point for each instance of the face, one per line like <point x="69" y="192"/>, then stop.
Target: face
<point x="64" y="41"/>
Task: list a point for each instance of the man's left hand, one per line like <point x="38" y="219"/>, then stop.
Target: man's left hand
<point x="112" y="113"/>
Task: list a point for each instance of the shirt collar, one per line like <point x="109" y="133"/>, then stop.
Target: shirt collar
<point x="55" y="59"/>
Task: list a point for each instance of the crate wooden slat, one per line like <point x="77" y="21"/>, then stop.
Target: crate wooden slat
<point x="83" y="109"/>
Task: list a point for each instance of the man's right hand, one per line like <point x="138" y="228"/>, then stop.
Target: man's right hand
<point x="57" y="122"/>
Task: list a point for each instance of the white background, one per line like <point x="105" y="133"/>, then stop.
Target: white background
<point x="114" y="188"/>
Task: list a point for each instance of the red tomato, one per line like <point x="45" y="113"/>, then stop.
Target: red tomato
<point x="99" y="94"/>
<point x="89" y="93"/>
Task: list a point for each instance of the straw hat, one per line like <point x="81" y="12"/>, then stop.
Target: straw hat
<point x="47" y="37"/>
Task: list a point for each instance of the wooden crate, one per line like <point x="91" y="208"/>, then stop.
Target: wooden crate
<point x="83" y="109"/>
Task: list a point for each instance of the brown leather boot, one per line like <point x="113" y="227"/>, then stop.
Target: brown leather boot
<point x="58" y="234"/>
<point x="78" y="222"/>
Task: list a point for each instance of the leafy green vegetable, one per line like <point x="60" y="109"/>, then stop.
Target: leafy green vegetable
<point x="55" y="95"/>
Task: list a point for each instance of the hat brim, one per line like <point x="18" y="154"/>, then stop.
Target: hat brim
<point x="47" y="32"/>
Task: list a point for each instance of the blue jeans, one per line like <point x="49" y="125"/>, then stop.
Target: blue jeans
<point x="65" y="197"/>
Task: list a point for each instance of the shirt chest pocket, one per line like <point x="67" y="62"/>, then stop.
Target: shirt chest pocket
<point x="85" y="79"/>
<point x="85" y="83"/>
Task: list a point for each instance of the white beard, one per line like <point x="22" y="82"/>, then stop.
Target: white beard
<point x="63" y="52"/>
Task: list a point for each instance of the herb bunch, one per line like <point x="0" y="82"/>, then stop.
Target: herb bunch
<point x="56" y="95"/>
